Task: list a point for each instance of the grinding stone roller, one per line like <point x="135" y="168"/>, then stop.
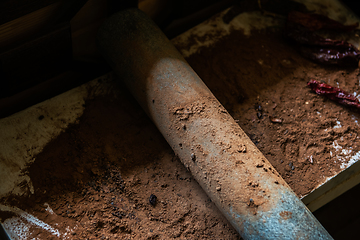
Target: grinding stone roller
<point x="211" y="145"/>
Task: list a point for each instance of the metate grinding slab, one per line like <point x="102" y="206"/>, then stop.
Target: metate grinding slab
<point x="26" y="134"/>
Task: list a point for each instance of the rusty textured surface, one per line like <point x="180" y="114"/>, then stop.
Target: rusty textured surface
<point x="224" y="161"/>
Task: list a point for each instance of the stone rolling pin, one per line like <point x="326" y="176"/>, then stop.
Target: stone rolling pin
<point x="211" y="145"/>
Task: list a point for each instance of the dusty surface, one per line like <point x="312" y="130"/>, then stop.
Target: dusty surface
<point x="262" y="77"/>
<point x="95" y="180"/>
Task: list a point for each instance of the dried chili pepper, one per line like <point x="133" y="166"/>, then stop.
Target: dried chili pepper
<point x="313" y="22"/>
<point x="337" y="55"/>
<point x="303" y="36"/>
<point x="326" y="51"/>
<point x="317" y="48"/>
<point x="334" y="93"/>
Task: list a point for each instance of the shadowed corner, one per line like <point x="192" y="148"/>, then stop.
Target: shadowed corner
<point x="3" y="233"/>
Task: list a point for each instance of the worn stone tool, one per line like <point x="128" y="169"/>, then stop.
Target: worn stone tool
<point x="223" y="160"/>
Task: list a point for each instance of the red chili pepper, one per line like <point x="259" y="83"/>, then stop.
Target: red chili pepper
<point x="313" y="22"/>
<point x="334" y="93"/>
<point x="336" y="55"/>
<point x="300" y="28"/>
<point x="302" y="35"/>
